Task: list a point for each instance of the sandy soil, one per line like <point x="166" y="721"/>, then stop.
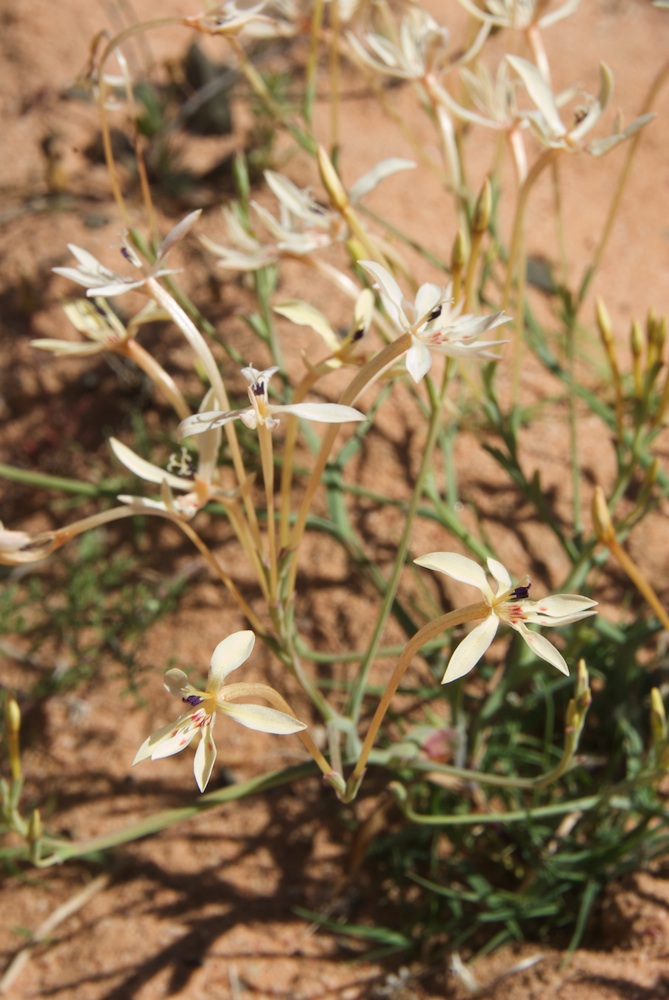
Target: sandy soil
<point x="208" y="908"/>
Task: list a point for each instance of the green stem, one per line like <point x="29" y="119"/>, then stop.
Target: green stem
<point x="170" y="817"/>
<point x="512" y="816"/>
<point x="360" y="682"/>
<point x="365" y="377"/>
<point x="470" y="613"/>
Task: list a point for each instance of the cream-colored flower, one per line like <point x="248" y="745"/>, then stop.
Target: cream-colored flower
<point x="100" y="281"/>
<point x="261" y="411"/>
<point x="520" y="14"/>
<point x="302" y="226"/>
<point x="546" y="123"/>
<point x="434" y="322"/>
<point x="216" y="697"/>
<point x="509" y="604"/>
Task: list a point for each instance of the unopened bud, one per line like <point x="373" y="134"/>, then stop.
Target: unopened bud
<point x="601" y="518"/>
<point x="636" y="343"/>
<point x="583" y="694"/>
<point x="604" y="322"/>
<point x="658" y="720"/>
<point x="458" y="253"/>
<point x="482" y="209"/>
<point x="12" y="728"/>
<point x="35" y="835"/>
<point x="331" y="182"/>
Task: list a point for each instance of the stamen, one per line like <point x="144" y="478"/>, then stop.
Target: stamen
<point x="193" y="699"/>
<point x="435" y="314"/>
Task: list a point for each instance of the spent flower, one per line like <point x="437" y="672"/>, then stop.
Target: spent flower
<point x="199" y="485"/>
<point x="509" y="604"/>
<point x="216" y="697"/>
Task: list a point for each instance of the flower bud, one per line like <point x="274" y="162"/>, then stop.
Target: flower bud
<point x="636" y="343"/>
<point x="658" y="720"/>
<point x="483" y="209"/>
<point x="12" y="728"/>
<point x="331" y="182"/>
<point x="601" y="518"/>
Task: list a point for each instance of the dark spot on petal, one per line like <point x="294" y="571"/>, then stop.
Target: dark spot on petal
<point x="126" y="253"/>
<point x="435" y="314"/>
<point x="521" y="593"/>
<point x="357" y="335"/>
<point x="258" y="388"/>
<point x="193" y="699"/>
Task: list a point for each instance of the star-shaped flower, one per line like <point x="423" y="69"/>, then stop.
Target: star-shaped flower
<point x="435" y="324"/>
<point x="101" y="281"/>
<point x="261" y="411"/>
<point x="519" y="14"/>
<point x="216" y="697"/>
<point x="507" y="604"/>
<point x="547" y="124"/>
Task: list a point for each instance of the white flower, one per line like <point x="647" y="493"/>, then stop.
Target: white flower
<point x="434" y="323"/>
<point x="547" y="124"/>
<point x="170" y="739"/>
<point x="420" y="50"/>
<point x="302" y="227"/>
<point x="521" y="14"/>
<point x="508" y="604"/>
<point x="263" y="412"/>
<point x="100" y="281"/>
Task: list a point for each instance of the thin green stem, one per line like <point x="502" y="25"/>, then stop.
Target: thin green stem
<point x="470" y="613"/>
<point x="365" y="377"/>
<point x="170" y="817"/>
<point x="360" y="682"/>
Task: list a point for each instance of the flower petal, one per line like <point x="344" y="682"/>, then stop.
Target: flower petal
<point x="458" y="567"/>
<point x="263" y="719"/>
<point x="384" y="168"/>
<point x="324" y="413"/>
<point x="500" y="574"/>
<point x="419" y="360"/>
<point x="167" y="740"/>
<point x="541" y="647"/>
<point x="560" y="609"/>
<point x="175" y="681"/>
<point x="391" y="293"/>
<point x="147" y="470"/>
<point x="540" y="93"/>
<point x="303" y="314"/>
<point x="209" y="421"/>
<point x="471" y="649"/>
<point x="228" y="655"/>
<point x="205" y="758"/>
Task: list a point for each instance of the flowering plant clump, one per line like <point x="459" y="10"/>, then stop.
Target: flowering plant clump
<point x="406" y="373"/>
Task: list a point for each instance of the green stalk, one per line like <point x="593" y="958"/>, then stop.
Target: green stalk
<point x="360" y="682"/>
<point x="470" y="613"/>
